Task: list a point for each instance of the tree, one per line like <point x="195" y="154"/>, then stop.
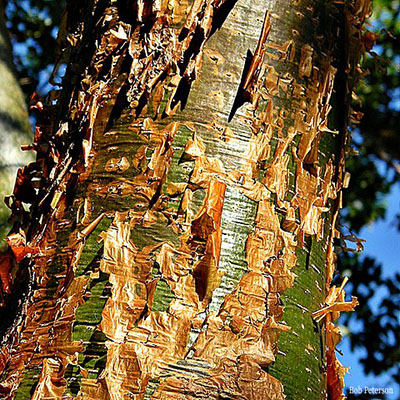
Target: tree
<point x="213" y="179"/>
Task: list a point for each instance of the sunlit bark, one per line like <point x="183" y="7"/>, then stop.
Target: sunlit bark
<point x="182" y="237"/>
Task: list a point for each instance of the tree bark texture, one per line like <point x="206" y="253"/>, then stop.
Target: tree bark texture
<point x="181" y="243"/>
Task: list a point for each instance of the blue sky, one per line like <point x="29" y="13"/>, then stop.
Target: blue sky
<point x="382" y="243"/>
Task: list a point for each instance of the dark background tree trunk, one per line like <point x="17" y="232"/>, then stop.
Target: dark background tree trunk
<point x="14" y="126"/>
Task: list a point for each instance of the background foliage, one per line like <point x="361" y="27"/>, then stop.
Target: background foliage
<point x="375" y="326"/>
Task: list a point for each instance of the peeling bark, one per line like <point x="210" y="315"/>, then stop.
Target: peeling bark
<point x="180" y="243"/>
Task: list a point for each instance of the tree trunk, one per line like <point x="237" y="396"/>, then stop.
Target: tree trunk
<point x="182" y="236"/>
